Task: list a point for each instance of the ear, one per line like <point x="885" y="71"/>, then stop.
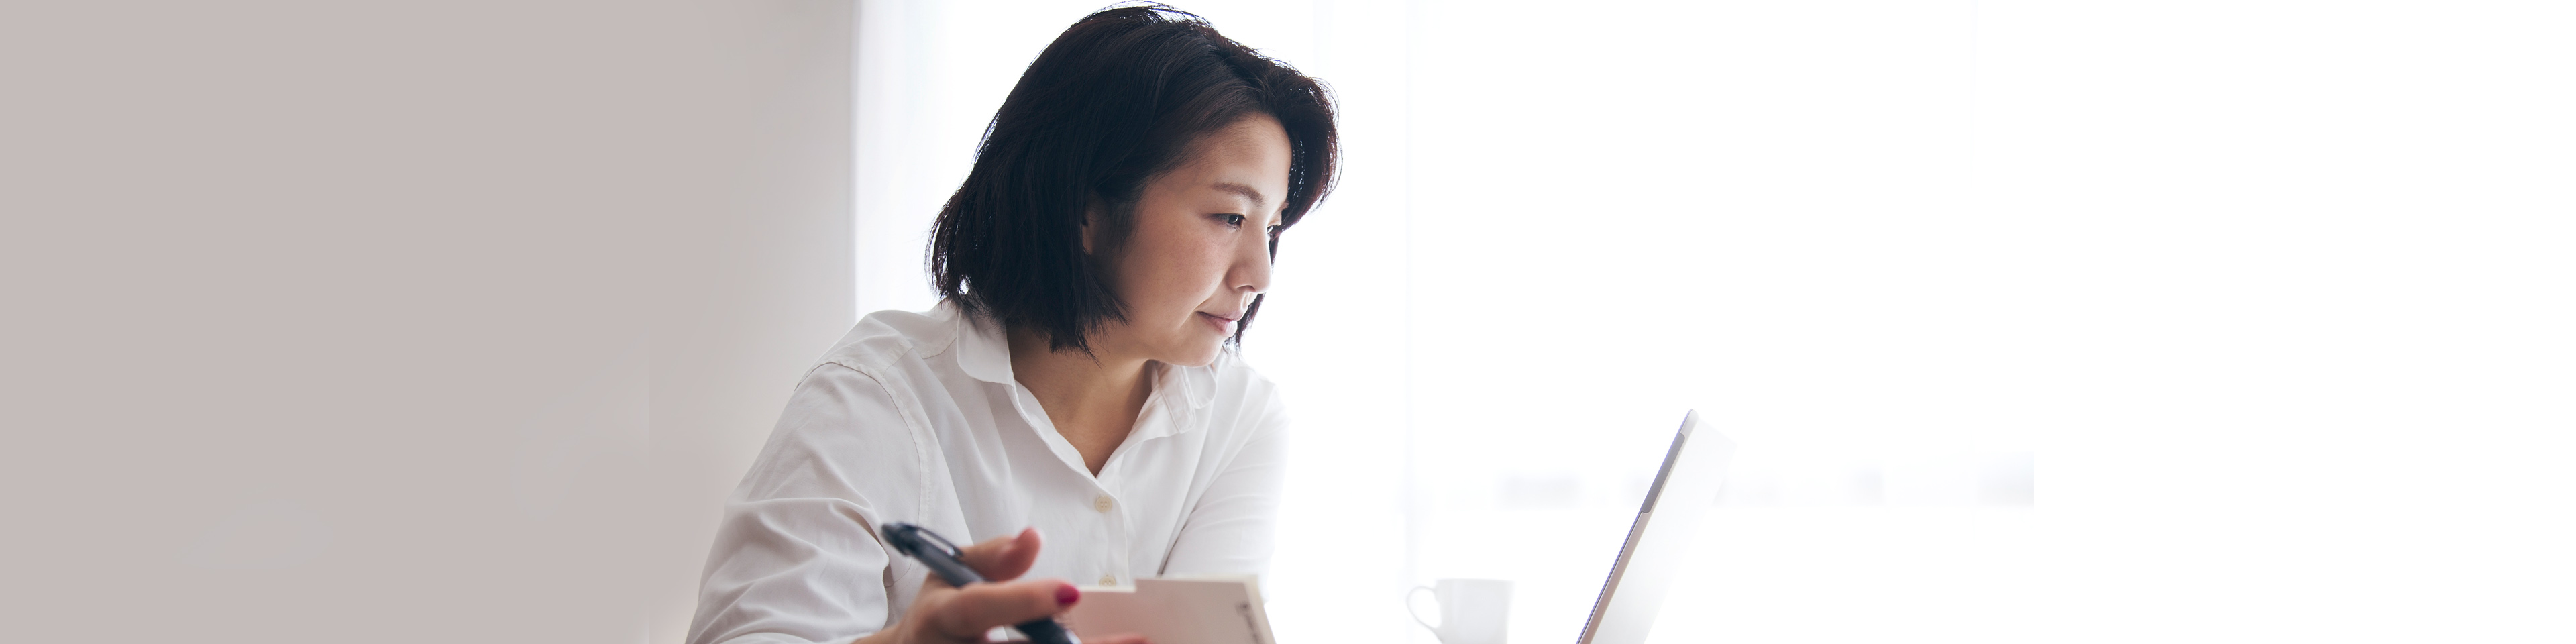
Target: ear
<point x="1091" y="214"/>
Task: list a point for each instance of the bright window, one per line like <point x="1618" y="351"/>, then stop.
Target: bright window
<point x="1891" y="248"/>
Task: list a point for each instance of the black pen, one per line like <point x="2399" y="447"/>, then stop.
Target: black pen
<point x="941" y="556"/>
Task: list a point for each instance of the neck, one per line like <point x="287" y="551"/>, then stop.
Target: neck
<point x="1093" y="398"/>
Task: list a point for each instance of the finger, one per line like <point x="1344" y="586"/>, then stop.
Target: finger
<point x="977" y="608"/>
<point x="1004" y="558"/>
<point x="1121" y="638"/>
<point x="1013" y="554"/>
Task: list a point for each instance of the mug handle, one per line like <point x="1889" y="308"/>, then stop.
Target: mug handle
<point x="1417" y="617"/>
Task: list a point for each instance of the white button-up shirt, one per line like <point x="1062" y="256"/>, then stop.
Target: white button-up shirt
<point x="914" y="417"/>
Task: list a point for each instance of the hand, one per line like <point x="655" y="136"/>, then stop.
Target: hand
<point x="944" y="614"/>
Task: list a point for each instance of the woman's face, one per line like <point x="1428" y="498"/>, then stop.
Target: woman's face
<point x="1199" y="250"/>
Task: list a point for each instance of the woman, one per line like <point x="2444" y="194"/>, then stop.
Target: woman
<point x="1114" y="236"/>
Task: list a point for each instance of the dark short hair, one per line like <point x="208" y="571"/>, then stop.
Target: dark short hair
<point x="1112" y="104"/>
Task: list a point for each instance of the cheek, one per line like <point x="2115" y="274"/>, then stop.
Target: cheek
<point x="1172" y="272"/>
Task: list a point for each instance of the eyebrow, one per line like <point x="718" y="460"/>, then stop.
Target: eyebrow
<point x="1247" y="191"/>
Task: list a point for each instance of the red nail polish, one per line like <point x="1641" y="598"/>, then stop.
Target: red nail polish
<point x="1065" y="595"/>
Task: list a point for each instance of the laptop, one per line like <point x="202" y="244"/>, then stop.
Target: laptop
<point x="1694" y="469"/>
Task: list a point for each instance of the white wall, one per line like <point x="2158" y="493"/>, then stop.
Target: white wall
<point x="404" y="322"/>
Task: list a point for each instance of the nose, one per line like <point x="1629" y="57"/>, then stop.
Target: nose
<point x="1250" y="272"/>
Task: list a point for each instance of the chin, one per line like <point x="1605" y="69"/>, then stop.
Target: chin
<point x="1195" y="356"/>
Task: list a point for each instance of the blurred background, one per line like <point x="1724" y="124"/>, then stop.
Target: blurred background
<point x="456" y="321"/>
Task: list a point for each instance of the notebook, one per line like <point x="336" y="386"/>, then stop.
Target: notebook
<point x="1199" y="610"/>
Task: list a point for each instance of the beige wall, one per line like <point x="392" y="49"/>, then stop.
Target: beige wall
<point x="446" y="321"/>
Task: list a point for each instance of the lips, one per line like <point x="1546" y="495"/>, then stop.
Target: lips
<point x="1222" y="323"/>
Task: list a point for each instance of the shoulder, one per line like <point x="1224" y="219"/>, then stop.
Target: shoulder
<point x="890" y="340"/>
<point x="877" y="378"/>
<point x="859" y="408"/>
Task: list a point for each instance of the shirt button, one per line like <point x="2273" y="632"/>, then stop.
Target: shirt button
<point x="1100" y="503"/>
<point x="1108" y="580"/>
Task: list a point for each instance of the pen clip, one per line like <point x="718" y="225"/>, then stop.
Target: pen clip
<point x="932" y="550"/>
<point x="932" y="539"/>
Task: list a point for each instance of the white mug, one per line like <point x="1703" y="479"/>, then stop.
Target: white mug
<point x="1472" y="611"/>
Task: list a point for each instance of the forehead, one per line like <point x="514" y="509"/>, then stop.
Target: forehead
<point x="1251" y="152"/>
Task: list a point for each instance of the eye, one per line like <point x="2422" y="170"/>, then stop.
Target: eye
<point x="1232" y="220"/>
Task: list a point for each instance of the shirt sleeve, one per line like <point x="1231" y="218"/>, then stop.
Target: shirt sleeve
<point x="796" y="557"/>
<point x="1231" y="530"/>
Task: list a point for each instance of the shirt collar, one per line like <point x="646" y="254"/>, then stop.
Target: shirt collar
<point x="984" y="352"/>
<point x="1196" y="385"/>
